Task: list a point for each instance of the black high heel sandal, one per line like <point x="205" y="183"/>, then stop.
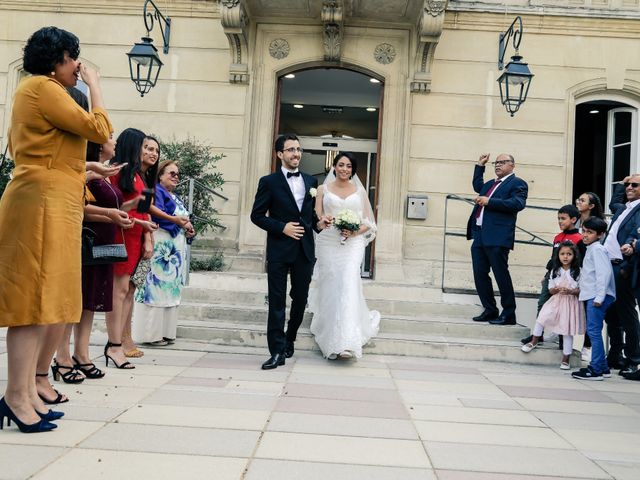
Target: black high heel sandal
<point x="55" y="401"/>
<point x="123" y="365"/>
<point x="72" y="376"/>
<point x="41" y="426"/>
<point x="89" y="370"/>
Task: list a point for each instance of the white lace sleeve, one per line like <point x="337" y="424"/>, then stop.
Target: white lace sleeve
<point x="367" y="216"/>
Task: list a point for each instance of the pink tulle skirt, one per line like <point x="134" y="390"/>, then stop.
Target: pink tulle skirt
<point x="563" y="314"/>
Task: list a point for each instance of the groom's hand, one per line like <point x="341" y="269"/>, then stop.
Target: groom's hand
<point x="325" y="222"/>
<point x="293" y="230"/>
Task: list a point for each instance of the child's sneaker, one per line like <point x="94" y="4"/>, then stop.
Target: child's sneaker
<point x="587" y="374"/>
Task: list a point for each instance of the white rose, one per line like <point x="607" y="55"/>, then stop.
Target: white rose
<point x="313" y="192"/>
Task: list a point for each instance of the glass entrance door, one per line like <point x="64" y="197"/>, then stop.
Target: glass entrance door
<point x="317" y="159"/>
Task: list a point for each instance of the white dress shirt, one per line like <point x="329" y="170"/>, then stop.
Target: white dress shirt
<point x="611" y="242"/>
<point x="296" y="184"/>
<point x="596" y="275"/>
<point x="479" y="219"/>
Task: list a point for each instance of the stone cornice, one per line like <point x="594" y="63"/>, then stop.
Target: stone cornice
<point x="543" y="9"/>
<point x="177" y="8"/>
<point x="556" y="25"/>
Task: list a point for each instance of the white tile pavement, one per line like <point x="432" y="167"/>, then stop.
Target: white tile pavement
<point x="198" y="415"/>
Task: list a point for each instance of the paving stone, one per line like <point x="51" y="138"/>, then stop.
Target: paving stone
<point x="290" y="470"/>
<point x="555" y="393"/>
<point x="195" y="398"/>
<point x="18" y="461"/>
<point x="348" y="450"/>
<point x="490" y="434"/>
<point x="173" y="440"/>
<point x="81" y="464"/>
<point x="342" y="393"/>
<point x="512" y="460"/>
<point x="342" y="425"/>
<point x="342" y="407"/>
<point x="474" y="415"/>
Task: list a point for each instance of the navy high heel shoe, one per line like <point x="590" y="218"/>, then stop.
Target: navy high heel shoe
<point x="50" y="416"/>
<point x="41" y="426"/>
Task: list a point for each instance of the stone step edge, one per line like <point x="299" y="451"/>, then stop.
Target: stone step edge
<point x="305" y="332"/>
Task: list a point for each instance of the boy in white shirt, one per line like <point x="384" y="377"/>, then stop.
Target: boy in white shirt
<point x="598" y="291"/>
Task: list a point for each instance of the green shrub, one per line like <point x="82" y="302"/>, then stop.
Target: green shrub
<point x="6" y="167"/>
<point x="196" y="160"/>
<point x="209" y="264"/>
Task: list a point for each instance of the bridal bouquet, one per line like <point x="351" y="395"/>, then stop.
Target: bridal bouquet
<point x="346" y="220"/>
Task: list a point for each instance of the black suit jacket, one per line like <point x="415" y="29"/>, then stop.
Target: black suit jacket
<point x="627" y="232"/>
<point x="275" y="197"/>
<point x="499" y="219"/>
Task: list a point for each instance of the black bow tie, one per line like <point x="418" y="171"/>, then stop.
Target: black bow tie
<point x="293" y="174"/>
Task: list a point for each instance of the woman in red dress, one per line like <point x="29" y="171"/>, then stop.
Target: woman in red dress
<point x="138" y="242"/>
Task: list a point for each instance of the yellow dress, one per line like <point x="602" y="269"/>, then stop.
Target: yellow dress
<point x="41" y="210"/>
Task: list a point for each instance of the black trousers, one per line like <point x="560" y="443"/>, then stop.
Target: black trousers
<point x="622" y="324"/>
<point x="496" y="259"/>
<point x="300" y="271"/>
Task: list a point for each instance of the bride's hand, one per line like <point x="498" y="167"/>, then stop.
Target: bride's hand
<point x="347" y="233"/>
<point x="325" y="222"/>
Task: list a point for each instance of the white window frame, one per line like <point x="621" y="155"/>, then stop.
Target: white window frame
<point x="634" y="151"/>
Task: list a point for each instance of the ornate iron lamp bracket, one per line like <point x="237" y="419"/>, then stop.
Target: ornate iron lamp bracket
<point x="503" y="41"/>
<point x="163" y="22"/>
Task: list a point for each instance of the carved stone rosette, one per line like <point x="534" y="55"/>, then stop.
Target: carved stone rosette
<point x="385" y="53"/>
<point x="279" y="48"/>
<point x="332" y="20"/>
<point x="430" y="25"/>
<point x="235" y="22"/>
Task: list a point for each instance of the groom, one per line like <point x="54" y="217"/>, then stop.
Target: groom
<point x="290" y="245"/>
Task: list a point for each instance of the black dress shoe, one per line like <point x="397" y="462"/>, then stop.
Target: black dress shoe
<point x="289" y="349"/>
<point x="628" y="370"/>
<point x="502" y="320"/>
<point x="528" y="339"/>
<point x="485" y="316"/>
<point x="632" y="376"/>
<point x="274" y="362"/>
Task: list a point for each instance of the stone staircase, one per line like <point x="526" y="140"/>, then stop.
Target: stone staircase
<point x="229" y="309"/>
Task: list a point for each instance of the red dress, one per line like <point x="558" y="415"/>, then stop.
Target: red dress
<point x="133" y="237"/>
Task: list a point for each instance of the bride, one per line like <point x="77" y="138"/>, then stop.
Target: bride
<point x="342" y="323"/>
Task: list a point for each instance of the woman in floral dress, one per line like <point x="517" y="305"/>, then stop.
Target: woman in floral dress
<point x="155" y="315"/>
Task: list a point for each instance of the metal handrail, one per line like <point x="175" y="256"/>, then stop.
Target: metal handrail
<point x="193" y="183"/>
<point x="534" y="239"/>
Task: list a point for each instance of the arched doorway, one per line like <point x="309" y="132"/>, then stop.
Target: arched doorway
<point x="606" y="146"/>
<point x="332" y="110"/>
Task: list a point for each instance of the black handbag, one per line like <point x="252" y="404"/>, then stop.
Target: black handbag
<point x="101" y="254"/>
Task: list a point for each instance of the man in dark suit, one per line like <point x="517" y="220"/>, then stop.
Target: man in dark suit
<point x="291" y="220"/>
<point x="619" y="244"/>
<point x="492" y="227"/>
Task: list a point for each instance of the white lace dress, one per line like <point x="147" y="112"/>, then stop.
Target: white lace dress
<point x="341" y="319"/>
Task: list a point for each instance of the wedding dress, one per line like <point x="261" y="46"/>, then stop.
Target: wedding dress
<point x="341" y="320"/>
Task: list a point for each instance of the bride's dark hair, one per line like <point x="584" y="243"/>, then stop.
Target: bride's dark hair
<point x="352" y="159"/>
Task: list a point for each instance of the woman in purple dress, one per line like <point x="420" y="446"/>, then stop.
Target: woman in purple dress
<point x="97" y="280"/>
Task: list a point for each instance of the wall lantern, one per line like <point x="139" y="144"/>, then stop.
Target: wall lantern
<point x="516" y="79"/>
<point x="144" y="62"/>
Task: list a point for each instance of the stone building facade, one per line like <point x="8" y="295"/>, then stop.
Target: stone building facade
<point x="435" y="63"/>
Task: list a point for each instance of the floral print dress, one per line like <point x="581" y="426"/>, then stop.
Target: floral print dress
<point x="163" y="286"/>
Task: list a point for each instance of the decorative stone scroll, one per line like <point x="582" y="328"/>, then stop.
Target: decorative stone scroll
<point x="385" y="53"/>
<point x="279" y="48"/>
<point x="430" y="25"/>
<point x="332" y="20"/>
<point x="235" y="22"/>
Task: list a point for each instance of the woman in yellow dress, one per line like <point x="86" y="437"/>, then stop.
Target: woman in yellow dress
<point x="41" y="213"/>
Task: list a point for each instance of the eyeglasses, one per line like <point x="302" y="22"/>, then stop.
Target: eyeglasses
<point x="293" y="150"/>
<point x="500" y="162"/>
<point x="174" y="174"/>
<point x="631" y="184"/>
